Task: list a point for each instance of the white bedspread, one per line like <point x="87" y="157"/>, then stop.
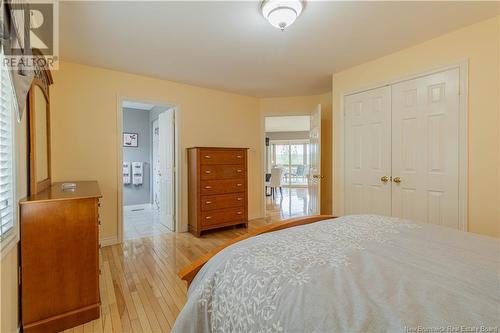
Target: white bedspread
<point x="352" y="274"/>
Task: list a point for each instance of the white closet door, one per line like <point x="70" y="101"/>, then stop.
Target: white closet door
<point x="368" y="152"/>
<point x="425" y="148"/>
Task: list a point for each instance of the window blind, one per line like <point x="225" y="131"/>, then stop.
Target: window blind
<point x="6" y="152"/>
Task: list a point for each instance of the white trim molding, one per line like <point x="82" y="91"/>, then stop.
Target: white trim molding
<point x="108" y="241"/>
<point x="339" y="166"/>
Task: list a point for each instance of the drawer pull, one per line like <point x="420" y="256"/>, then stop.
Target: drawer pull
<point x="208" y="172"/>
<point x="239" y="156"/>
<point x="208" y="202"/>
<point x="239" y="213"/>
<point x="239" y="199"/>
<point x="208" y="187"/>
<point x="239" y="184"/>
<point x="98" y="204"/>
<point x="208" y="157"/>
<point x="239" y="170"/>
<point x="208" y="217"/>
<point x="99" y="222"/>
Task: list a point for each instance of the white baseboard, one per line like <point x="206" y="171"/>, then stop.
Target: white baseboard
<point x="108" y="241"/>
<point x="133" y="207"/>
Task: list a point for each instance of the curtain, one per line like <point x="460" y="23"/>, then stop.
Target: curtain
<point x="10" y="32"/>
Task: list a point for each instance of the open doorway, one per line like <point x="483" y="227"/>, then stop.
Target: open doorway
<point x="148" y="169"/>
<point x="291" y="159"/>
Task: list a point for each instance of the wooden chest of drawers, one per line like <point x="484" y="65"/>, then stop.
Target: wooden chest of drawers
<point x="217" y="182"/>
<point x="60" y="258"/>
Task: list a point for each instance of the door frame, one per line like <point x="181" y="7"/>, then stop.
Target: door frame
<point x="263" y="117"/>
<point x="119" y="161"/>
<point x="462" y="66"/>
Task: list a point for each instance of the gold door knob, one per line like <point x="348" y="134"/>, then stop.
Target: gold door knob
<point x="384" y="179"/>
<point x="397" y="180"/>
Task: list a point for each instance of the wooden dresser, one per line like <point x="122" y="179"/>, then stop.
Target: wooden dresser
<point x="217" y="183"/>
<point x="60" y="258"/>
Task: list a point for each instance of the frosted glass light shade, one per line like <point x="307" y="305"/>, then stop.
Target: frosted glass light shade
<point x="281" y="14"/>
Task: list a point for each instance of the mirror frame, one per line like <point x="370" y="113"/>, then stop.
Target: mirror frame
<point x="42" y="79"/>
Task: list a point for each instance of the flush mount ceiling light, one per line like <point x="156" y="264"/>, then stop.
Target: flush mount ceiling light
<point x="281" y="14"/>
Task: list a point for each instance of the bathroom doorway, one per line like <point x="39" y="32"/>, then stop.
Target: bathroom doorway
<point x="148" y="151"/>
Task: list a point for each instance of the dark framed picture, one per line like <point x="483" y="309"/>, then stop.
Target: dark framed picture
<point x="130" y="140"/>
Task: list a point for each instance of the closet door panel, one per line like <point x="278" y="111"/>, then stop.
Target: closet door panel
<point x="367" y="152"/>
<point x="425" y="146"/>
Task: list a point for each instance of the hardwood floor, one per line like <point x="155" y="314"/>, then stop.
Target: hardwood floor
<point x="291" y="202"/>
<point x="140" y="290"/>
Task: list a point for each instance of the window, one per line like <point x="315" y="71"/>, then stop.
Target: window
<point x="7" y="180"/>
<point x="293" y="157"/>
<point x="281" y="154"/>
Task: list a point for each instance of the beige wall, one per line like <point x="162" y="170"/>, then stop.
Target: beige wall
<point x="479" y="43"/>
<point x="84" y="129"/>
<point x="498" y="69"/>
<point x="299" y="105"/>
<point x="9" y="292"/>
<point x="85" y="138"/>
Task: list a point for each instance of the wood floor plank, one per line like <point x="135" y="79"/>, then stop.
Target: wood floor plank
<point x="143" y="318"/>
<point x="88" y="327"/>
<point x="97" y="326"/>
<point x="136" y="326"/>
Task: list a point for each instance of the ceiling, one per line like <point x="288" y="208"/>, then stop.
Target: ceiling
<point x="287" y="124"/>
<point x="228" y="45"/>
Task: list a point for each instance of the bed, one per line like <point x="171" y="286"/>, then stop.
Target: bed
<point x="360" y="273"/>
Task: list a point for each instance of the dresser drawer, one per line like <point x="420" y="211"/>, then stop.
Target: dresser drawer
<point x="222" y="201"/>
<point x="209" y="187"/>
<point x="222" y="216"/>
<point x="222" y="172"/>
<point x="222" y="157"/>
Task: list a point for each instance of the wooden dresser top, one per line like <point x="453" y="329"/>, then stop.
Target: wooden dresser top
<point x="84" y="190"/>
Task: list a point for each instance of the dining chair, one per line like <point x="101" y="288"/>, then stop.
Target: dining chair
<point x="276" y="180"/>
